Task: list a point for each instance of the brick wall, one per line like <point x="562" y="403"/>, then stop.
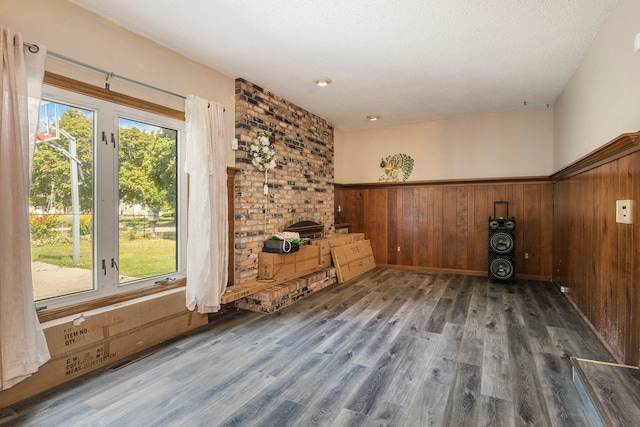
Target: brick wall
<point x="301" y="185"/>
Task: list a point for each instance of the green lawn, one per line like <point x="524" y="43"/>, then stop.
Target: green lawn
<point x="138" y="258"/>
<point x="147" y="257"/>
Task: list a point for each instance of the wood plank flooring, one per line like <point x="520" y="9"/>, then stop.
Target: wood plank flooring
<point x="389" y="348"/>
<point x="613" y="391"/>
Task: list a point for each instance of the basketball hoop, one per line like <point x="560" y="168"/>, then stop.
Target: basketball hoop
<point x="43" y="137"/>
<point x="48" y="134"/>
<point x="49" y="124"/>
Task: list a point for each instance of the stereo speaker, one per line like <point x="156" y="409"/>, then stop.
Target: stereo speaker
<point x="501" y="245"/>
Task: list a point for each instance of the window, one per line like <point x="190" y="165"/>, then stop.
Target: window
<point x="107" y="199"/>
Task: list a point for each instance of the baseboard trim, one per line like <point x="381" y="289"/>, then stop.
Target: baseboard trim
<point x="590" y="326"/>
<point x="480" y="273"/>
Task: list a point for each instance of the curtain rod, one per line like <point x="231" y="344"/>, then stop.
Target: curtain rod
<point x="34" y="48"/>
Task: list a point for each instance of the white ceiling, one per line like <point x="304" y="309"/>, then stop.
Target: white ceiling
<point x="409" y="61"/>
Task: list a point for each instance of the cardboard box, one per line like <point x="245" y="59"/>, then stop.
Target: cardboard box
<point x="289" y="266"/>
<point x="326" y="243"/>
<point x="106" y="335"/>
<point x="357" y="237"/>
<point x="325" y="252"/>
<point x="340" y="240"/>
<point x="353" y="260"/>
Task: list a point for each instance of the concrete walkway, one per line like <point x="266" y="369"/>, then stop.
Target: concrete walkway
<point x="51" y="281"/>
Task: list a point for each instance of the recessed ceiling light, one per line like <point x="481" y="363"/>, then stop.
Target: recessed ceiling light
<point x="323" y="81"/>
<point x="373" y="117"/>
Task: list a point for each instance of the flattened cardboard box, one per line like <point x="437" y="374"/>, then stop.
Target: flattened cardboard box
<point x="334" y="241"/>
<point x="107" y="335"/>
<point x="353" y="260"/>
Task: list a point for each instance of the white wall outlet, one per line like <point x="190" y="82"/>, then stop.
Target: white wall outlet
<point x="234" y="143"/>
<point x="398" y="248"/>
<point x="636" y="43"/>
<point x="624" y="211"/>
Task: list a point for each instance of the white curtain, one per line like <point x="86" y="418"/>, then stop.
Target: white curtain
<point x="208" y="232"/>
<point x="23" y="347"/>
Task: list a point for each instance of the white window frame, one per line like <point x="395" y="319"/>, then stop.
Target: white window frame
<point x="105" y="184"/>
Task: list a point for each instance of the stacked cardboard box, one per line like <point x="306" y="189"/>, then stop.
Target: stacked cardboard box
<point x="292" y="273"/>
<point x="289" y="266"/>
<point x="82" y="343"/>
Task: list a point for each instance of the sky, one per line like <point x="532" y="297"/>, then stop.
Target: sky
<point x="48" y="115"/>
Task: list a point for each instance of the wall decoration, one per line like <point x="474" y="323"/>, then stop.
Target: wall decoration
<point x="263" y="155"/>
<point x="394" y="164"/>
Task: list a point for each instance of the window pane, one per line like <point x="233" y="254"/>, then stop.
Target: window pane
<point x="62" y="202"/>
<point x="147" y="200"/>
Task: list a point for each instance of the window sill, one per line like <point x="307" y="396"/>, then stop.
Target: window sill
<point x="56" y="313"/>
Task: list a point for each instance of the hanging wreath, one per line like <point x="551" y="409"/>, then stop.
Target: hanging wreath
<point x="262" y="152"/>
<point x="263" y="155"/>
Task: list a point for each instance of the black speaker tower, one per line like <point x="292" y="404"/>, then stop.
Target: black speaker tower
<point x="501" y="245"/>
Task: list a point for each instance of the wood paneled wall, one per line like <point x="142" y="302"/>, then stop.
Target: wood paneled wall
<point x="595" y="257"/>
<point x="443" y="226"/>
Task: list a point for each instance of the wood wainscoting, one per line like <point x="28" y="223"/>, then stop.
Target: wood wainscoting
<point x="595" y="258"/>
<point x="443" y="226"/>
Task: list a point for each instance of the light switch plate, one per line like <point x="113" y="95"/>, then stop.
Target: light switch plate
<point x="234" y="143"/>
<point x="636" y="43"/>
<point x="624" y="211"/>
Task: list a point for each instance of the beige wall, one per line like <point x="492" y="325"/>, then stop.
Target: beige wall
<point x="73" y="32"/>
<point x="511" y="144"/>
<point x="602" y="98"/>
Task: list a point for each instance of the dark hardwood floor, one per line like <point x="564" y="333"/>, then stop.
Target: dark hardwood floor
<point x="392" y="347"/>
